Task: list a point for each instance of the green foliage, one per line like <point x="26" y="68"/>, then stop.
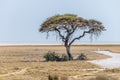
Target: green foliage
<point x="82" y="57"/>
<point x="52" y="56"/>
<point x="66" y="19"/>
<point x="70" y="20"/>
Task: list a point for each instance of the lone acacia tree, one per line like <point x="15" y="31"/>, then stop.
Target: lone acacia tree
<point x="67" y="25"/>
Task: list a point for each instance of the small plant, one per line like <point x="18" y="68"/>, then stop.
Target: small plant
<point x="82" y="57"/>
<point x="53" y="77"/>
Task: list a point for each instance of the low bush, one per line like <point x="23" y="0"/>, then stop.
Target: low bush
<point x="64" y="58"/>
<point x="52" y="56"/>
<point x="82" y="57"/>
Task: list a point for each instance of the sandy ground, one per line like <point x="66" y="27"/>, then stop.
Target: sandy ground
<point x="112" y="62"/>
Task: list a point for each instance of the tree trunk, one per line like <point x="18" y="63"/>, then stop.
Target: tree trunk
<point x="69" y="53"/>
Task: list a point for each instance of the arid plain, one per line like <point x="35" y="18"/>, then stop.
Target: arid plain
<point x="27" y="63"/>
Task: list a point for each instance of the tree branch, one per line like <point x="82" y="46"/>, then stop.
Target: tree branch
<point x="77" y="38"/>
<point x="67" y="30"/>
<point x="69" y="33"/>
<point x="63" y="38"/>
<point x="74" y="28"/>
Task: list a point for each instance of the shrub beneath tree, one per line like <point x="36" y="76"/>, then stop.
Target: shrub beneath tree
<point x="82" y="56"/>
<point x="52" y="56"/>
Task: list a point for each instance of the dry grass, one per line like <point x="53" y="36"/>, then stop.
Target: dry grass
<point x="112" y="72"/>
<point x="43" y="69"/>
<point x="15" y="58"/>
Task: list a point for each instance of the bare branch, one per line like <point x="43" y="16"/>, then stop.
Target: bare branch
<point x="74" y="28"/>
<point x="69" y="33"/>
<point x="67" y="30"/>
<point x="77" y="38"/>
<point x="63" y="38"/>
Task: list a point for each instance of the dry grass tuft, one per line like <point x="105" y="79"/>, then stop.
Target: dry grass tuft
<point x="114" y="70"/>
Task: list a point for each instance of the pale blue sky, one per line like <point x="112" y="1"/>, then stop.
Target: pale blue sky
<point x="21" y="19"/>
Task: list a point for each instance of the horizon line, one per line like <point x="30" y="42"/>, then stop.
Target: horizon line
<point x="54" y="43"/>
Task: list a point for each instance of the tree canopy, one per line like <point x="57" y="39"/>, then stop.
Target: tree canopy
<point x="59" y="21"/>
